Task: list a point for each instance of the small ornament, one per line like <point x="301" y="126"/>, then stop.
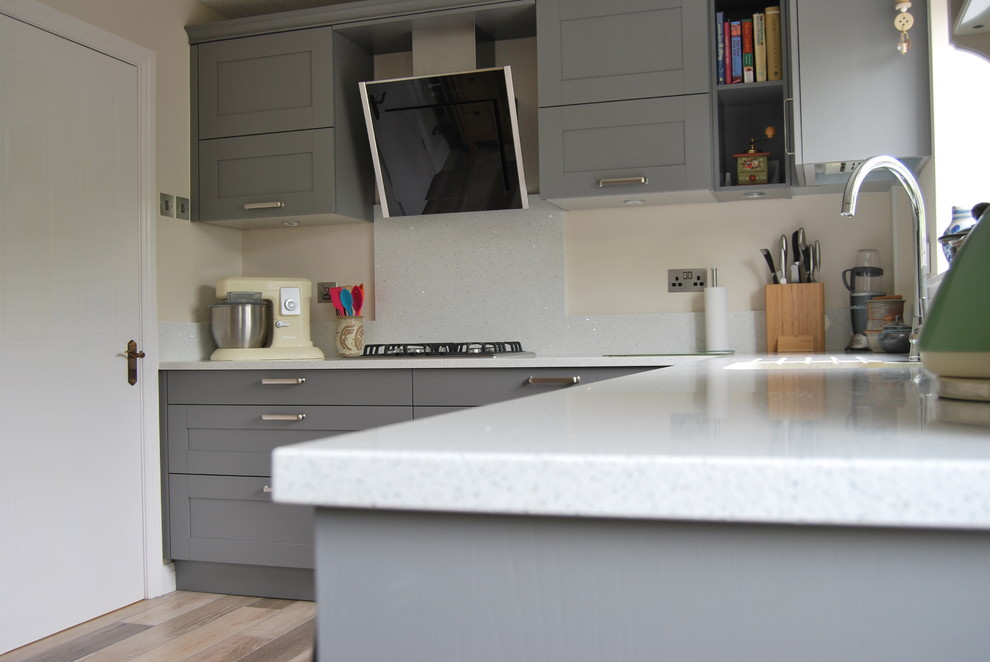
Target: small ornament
<point x="903" y="22"/>
<point x="751" y="165"/>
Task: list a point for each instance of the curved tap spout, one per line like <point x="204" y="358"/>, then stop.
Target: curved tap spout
<point x="922" y="266"/>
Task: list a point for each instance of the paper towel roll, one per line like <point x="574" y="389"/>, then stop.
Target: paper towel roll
<point x="716" y="319"/>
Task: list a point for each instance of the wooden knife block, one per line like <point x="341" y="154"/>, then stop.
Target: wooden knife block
<point x="795" y="318"/>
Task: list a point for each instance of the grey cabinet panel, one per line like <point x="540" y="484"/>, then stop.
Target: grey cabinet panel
<point x="591" y="51"/>
<point x="862" y="98"/>
<point x="466" y="387"/>
<point x="665" y="141"/>
<point x="233" y="520"/>
<point x="237" y="440"/>
<point x="266" y="83"/>
<point x="290" y="387"/>
<point x="288" y="174"/>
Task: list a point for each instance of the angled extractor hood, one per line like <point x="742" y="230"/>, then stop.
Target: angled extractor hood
<point x="445" y="142"/>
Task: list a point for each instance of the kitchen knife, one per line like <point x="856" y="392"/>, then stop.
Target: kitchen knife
<point x="796" y="257"/>
<point x="802" y="257"/>
<point x="769" y="259"/>
<point x="818" y="260"/>
<point x="783" y="259"/>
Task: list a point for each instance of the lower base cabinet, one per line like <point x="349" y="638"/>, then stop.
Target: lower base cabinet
<point x="223" y="531"/>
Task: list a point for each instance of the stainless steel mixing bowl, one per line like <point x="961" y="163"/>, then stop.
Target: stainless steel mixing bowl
<point x="242" y="324"/>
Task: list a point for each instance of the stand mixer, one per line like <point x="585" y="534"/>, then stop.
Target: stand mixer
<point x="288" y="335"/>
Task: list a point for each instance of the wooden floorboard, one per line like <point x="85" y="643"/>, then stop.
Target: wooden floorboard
<point x="185" y="627"/>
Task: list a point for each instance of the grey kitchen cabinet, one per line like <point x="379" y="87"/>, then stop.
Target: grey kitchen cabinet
<point x="855" y="95"/>
<point x="224" y="532"/>
<point x="629" y="148"/>
<point x="624" y="101"/>
<point x="591" y="51"/>
<point x="219" y="427"/>
<point x="440" y="390"/>
<point x="742" y="111"/>
<point x="266" y="83"/>
<point x="278" y="130"/>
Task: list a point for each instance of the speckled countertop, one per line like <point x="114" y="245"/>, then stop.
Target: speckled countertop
<point x="503" y="361"/>
<point x="833" y="442"/>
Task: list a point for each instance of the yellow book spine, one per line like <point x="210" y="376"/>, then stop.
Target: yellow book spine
<point x="775" y="68"/>
<point x="760" y="46"/>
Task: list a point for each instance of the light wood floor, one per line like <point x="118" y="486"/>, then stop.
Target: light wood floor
<point x="185" y="627"/>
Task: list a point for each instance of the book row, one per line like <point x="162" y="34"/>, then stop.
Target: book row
<point x="748" y="46"/>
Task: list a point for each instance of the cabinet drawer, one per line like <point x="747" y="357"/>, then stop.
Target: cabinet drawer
<point x="234" y="520"/>
<point x="238" y="440"/>
<point x="471" y="387"/>
<point x="277" y="174"/>
<point x="649" y="146"/>
<point x="592" y="51"/>
<point x="266" y="83"/>
<point x="290" y="387"/>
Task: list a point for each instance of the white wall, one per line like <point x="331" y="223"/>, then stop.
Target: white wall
<point x="190" y="256"/>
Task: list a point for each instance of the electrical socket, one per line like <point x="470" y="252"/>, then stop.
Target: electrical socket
<point x="687" y="280"/>
<point x="323" y="291"/>
<point x="166" y="204"/>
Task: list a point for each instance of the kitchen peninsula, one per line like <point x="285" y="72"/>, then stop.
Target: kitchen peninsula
<point x="731" y="508"/>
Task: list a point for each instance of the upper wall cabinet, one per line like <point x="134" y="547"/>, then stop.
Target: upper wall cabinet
<point x="745" y="105"/>
<point x="624" y="110"/>
<point x="592" y="51"/>
<point x="264" y="84"/>
<point x="855" y="95"/>
<point x="278" y="131"/>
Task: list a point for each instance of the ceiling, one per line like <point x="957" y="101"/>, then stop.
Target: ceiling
<point x="241" y="8"/>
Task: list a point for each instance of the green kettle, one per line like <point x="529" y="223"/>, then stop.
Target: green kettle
<point x="955" y="336"/>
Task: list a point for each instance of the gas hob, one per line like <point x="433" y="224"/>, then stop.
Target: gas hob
<point x="470" y="350"/>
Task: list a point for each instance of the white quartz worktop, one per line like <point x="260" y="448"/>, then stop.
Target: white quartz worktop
<point x="502" y="361"/>
<point x="723" y="439"/>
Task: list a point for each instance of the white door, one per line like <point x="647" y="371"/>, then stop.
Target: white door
<point x="71" y="458"/>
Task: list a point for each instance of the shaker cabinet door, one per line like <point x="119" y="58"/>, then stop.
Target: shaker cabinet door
<point x="232" y="519"/>
<point x="278" y="174"/>
<point x="591" y="51"/>
<point x="266" y="83"/>
<point x="628" y="147"/>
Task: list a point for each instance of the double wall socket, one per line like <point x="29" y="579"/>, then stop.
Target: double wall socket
<point x="323" y="291"/>
<point x="687" y="280"/>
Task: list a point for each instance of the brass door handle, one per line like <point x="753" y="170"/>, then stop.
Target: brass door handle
<point x="132" y="354"/>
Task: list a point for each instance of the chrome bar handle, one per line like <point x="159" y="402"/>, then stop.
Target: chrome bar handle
<point x="789" y="152"/>
<point x="267" y="489"/>
<point x="263" y="205"/>
<point x="602" y="183"/>
<point x="283" y="417"/>
<point x="576" y="379"/>
<point x="290" y="381"/>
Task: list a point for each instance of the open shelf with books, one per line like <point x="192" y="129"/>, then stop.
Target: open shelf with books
<point x="749" y="67"/>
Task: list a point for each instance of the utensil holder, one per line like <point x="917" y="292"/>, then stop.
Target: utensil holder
<point x="795" y="318"/>
<point x="349" y="336"/>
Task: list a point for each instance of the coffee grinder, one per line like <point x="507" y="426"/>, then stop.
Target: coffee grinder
<point x="288" y="336"/>
<point x="864" y="282"/>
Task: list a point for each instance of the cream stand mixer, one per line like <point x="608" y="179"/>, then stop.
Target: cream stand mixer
<point x="288" y="335"/>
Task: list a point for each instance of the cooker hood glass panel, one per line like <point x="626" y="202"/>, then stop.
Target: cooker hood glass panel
<point x="445" y="143"/>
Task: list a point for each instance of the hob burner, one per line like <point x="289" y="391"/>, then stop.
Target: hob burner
<point x="447" y="350"/>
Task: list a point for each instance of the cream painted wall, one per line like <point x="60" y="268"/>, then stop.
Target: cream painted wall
<point x="191" y="257"/>
<point x="617" y="260"/>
